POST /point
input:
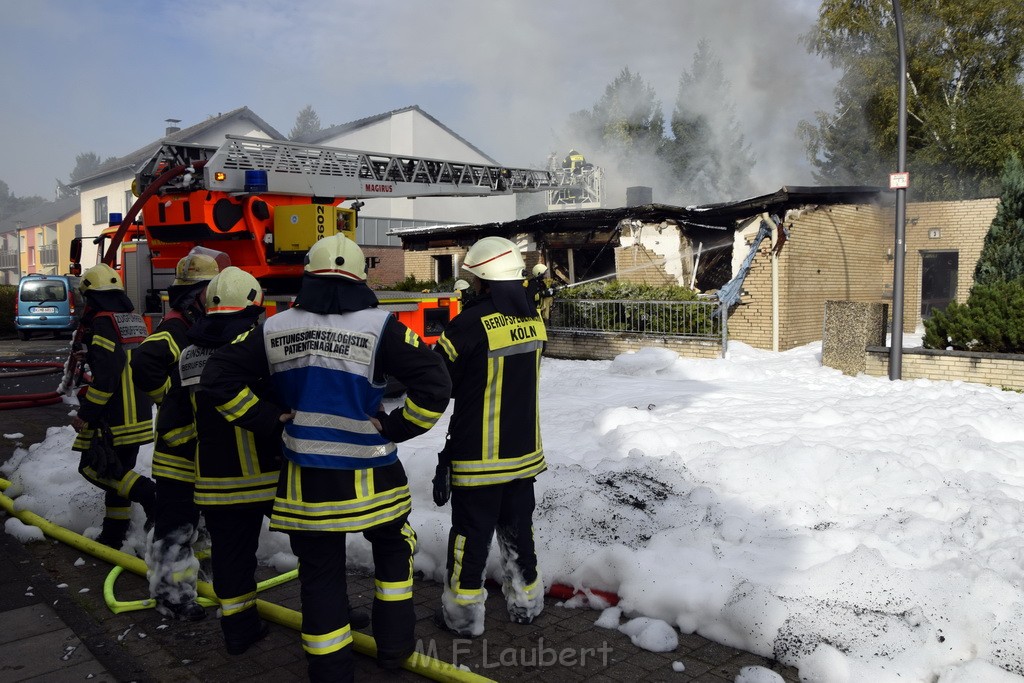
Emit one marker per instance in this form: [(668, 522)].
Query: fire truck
[(264, 203)]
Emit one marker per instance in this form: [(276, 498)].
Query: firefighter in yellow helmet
[(238, 448), (173, 568), (113, 419), (492, 351), (342, 474), (542, 290)]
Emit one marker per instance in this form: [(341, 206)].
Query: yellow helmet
[(100, 278), (337, 256), (232, 290), (195, 268), (540, 269), (495, 258)]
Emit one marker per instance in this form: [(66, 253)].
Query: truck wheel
[(24, 335)]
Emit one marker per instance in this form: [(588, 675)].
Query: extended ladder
[(311, 170)]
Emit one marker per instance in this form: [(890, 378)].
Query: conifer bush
[(993, 317)]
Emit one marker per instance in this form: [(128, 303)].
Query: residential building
[(38, 240)]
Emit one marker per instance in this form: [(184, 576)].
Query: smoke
[(504, 76)]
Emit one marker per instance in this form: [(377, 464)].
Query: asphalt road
[(32, 422)]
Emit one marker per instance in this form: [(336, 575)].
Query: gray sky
[(102, 76)]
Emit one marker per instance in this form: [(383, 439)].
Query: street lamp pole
[(900, 251)]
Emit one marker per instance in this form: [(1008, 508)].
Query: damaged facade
[(831, 243)]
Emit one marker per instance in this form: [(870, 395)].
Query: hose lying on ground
[(425, 666), (12, 401)]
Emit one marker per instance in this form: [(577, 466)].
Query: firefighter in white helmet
[(173, 568), (328, 358), (113, 419), (542, 290), (238, 449), (492, 350)]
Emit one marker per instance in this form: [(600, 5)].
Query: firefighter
[(492, 351), (465, 292), (237, 455), (342, 473), (574, 162), (173, 568), (542, 290), (112, 331)]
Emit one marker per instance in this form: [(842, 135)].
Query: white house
[(109, 189)]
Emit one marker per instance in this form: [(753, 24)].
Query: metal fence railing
[(48, 254), (681, 319)]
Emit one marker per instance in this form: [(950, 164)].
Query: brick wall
[(606, 347), (1002, 370), (387, 265), (640, 265)]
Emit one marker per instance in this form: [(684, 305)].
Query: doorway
[(939, 271)]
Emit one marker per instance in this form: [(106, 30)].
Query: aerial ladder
[(265, 202)]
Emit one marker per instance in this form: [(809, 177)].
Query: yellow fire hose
[(428, 667)]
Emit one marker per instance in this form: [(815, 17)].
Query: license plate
[(44, 309)]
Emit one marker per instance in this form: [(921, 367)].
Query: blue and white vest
[(322, 367)]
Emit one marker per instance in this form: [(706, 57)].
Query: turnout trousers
[(132, 487), (172, 564), (477, 513), (326, 635), (234, 538)]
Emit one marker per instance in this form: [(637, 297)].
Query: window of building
[(444, 267), (99, 210), (129, 199), (31, 256), (939, 270)]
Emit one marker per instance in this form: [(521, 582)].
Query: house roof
[(324, 134), (718, 216), (43, 214), (133, 160)]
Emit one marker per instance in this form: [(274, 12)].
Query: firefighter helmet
[(336, 256), (495, 258), (100, 278), (461, 285), (232, 290), (539, 269), (195, 268)]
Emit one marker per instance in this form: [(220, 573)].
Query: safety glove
[(442, 479)]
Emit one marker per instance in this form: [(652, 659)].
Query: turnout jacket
[(111, 397), (494, 362), (238, 453), (341, 474), (155, 368)]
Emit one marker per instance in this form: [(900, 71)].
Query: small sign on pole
[(899, 181)]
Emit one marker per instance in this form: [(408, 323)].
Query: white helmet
[(195, 268), (100, 278), (337, 256), (232, 290), (495, 258), (461, 285), (540, 269)]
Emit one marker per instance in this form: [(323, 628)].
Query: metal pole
[(899, 262)]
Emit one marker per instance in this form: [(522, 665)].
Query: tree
[(707, 152), (965, 98), (626, 124), (85, 164), (1002, 255), (11, 205), (306, 122)]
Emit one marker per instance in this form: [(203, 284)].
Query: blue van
[(48, 303)]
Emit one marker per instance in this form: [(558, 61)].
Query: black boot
[(182, 611), (114, 532)]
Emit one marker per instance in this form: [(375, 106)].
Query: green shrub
[(991, 320), (8, 294), (411, 284)]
